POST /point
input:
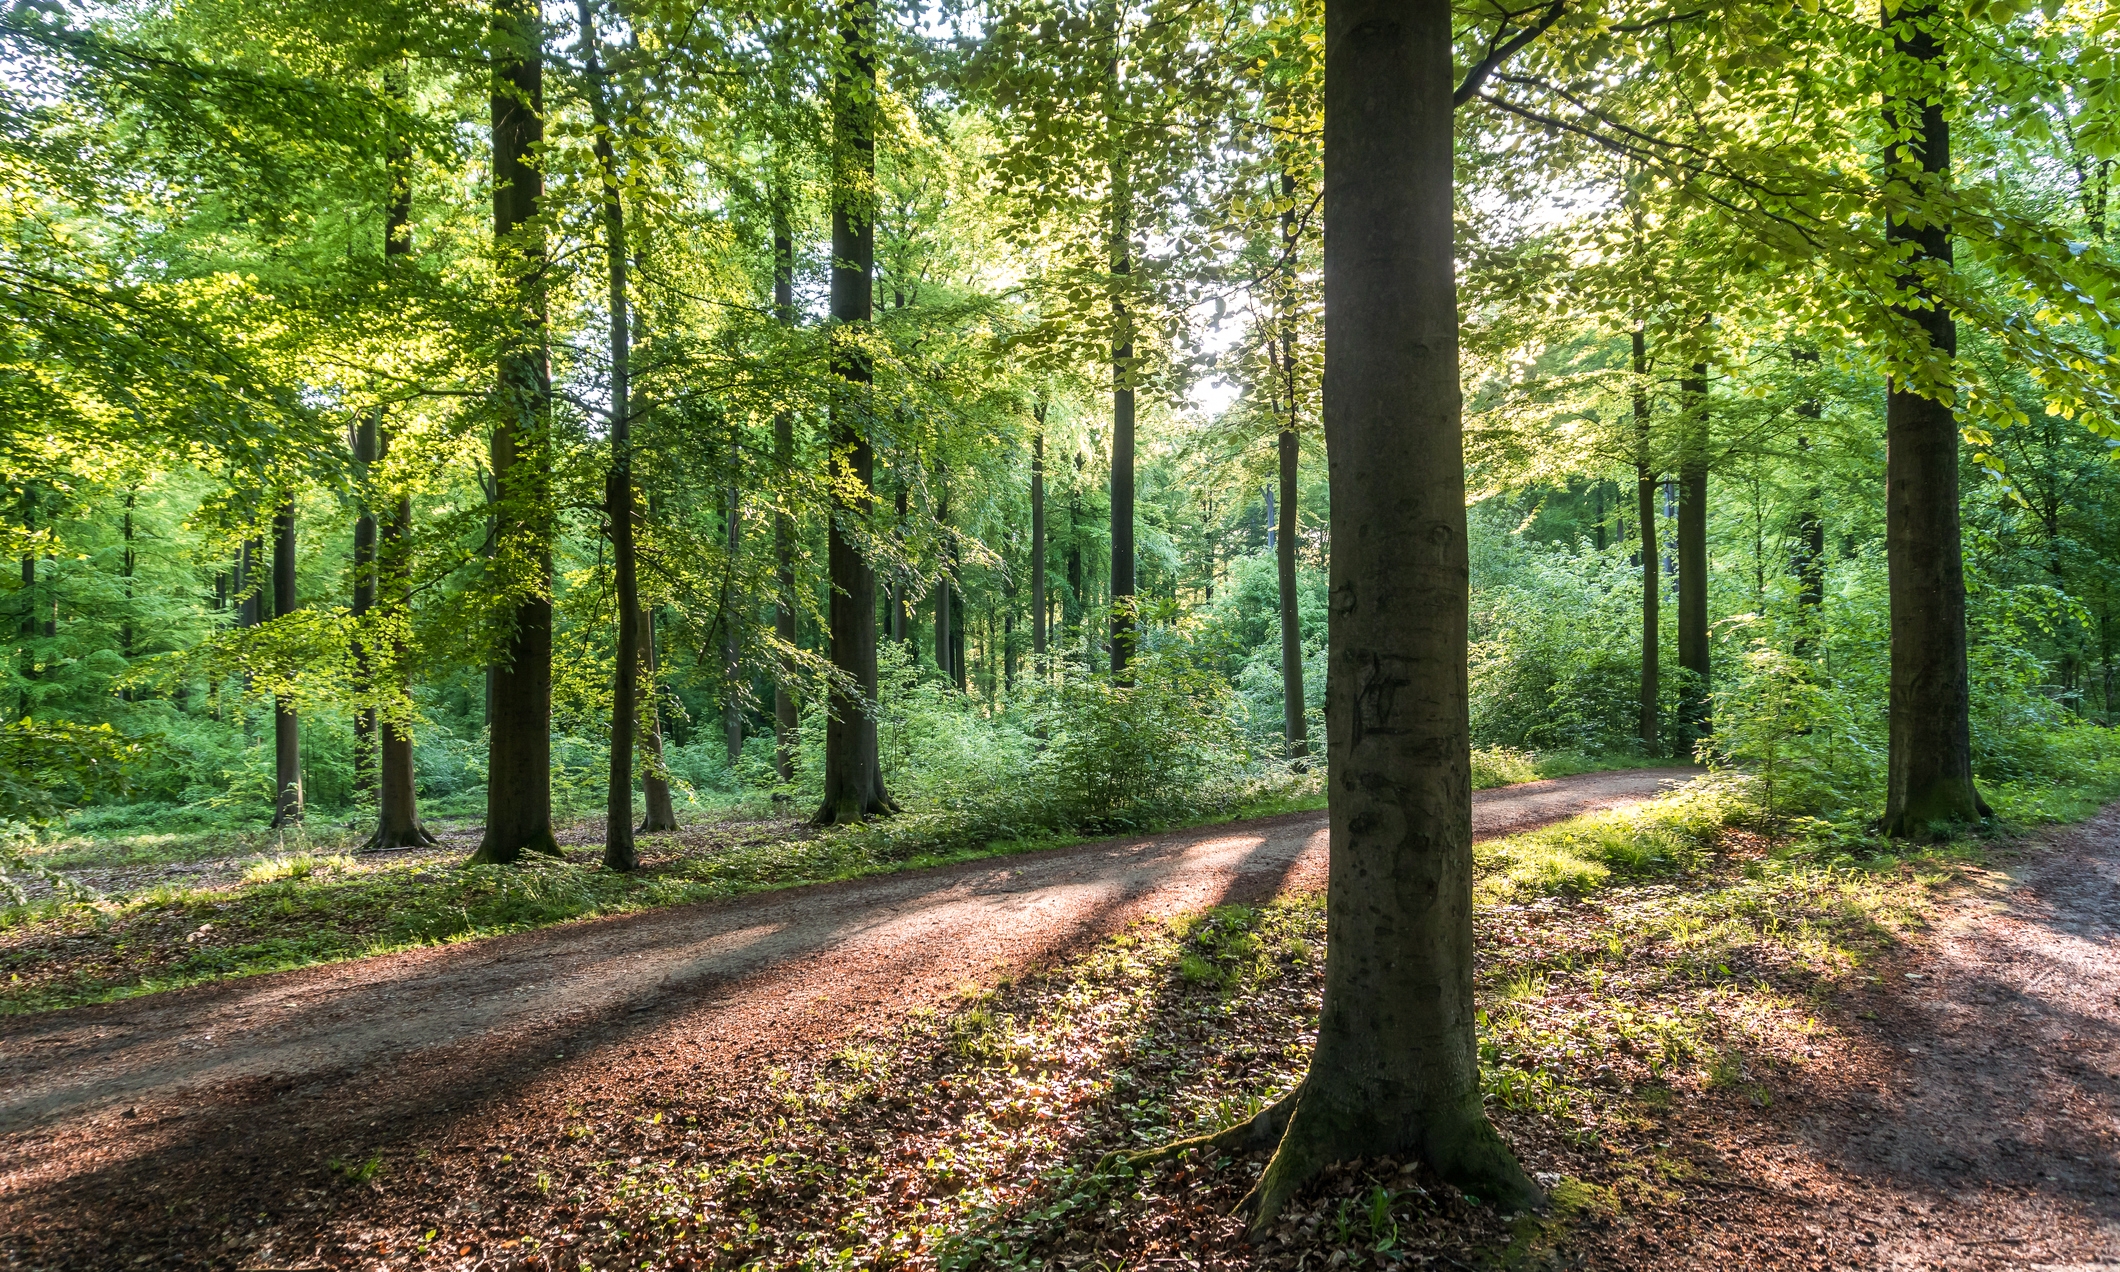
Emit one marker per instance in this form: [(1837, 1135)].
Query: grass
[(303, 900)]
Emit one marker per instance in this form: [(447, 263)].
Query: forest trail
[(221, 1092)]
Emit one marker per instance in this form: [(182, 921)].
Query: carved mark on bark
[(1376, 694)]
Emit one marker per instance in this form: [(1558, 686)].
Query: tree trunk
[(660, 813), (286, 727), (519, 717), (1122, 494), (944, 629), (29, 603), (1650, 729), (1693, 557), (1930, 784), (619, 495), (787, 717), (365, 445), (732, 689), (1396, 1068), (1294, 726), (1809, 564), (853, 768), (397, 798), (1038, 542)]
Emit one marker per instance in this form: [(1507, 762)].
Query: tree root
[(386, 841), (1261, 1131)]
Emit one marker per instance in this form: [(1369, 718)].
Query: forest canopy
[(442, 411)]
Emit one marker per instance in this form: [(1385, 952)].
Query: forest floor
[(1709, 1052)]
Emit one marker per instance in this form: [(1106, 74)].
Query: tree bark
[(29, 604), (1038, 541), (1294, 725), (853, 767), (1930, 782), (1122, 492), (365, 448), (732, 689), (397, 797), (1693, 650), (944, 628), (1396, 1068), (787, 716), (519, 718), (286, 726), (620, 498), (1650, 729)]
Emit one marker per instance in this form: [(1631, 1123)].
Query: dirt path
[(1969, 1116), (182, 1109)]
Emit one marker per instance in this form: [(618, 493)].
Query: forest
[(478, 467)]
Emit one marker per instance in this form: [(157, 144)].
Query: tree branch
[(1498, 54)]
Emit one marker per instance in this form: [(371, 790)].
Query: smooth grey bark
[(1122, 481), (286, 725), (1295, 728), (365, 451), (1929, 785), (519, 714), (1649, 726), (1038, 541), (786, 712), (1396, 1068), (397, 797), (1692, 531), (620, 498), (853, 766)]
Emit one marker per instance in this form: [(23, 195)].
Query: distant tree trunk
[(1395, 1072), (286, 727), (620, 498), (29, 604), (1038, 541), (127, 563), (1809, 563), (1693, 649), (397, 796), (250, 611), (365, 450), (944, 629), (1645, 511), (1294, 726), (787, 716), (954, 586), (1930, 783), (853, 767), (732, 692), (1122, 492), (519, 730)]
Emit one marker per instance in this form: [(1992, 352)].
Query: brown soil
[(153, 1131)]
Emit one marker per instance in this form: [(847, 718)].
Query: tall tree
[(365, 452), (1930, 767), (397, 798), (787, 716), (1692, 532), (1396, 1068), (286, 725), (620, 497), (1122, 492), (1037, 563), (1294, 725), (853, 766), (519, 748), (1650, 730)]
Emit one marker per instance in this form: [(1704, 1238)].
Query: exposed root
[(1261, 1131), (395, 840)]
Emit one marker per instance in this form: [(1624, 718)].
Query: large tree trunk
[(1930, 784), (619, 495), (1649, 728), (1038, 542), (1122, 493), (1396, 1069), (787, 716), (286, 727), (853, 768), (519, 717), (1693, 556)]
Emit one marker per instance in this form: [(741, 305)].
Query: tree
[(853, 766), (1295, 728), (286, 725), (1692, 533), (1396, 1067), (620, 497), (1930, 779), (1645, 477), (519, 750)]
